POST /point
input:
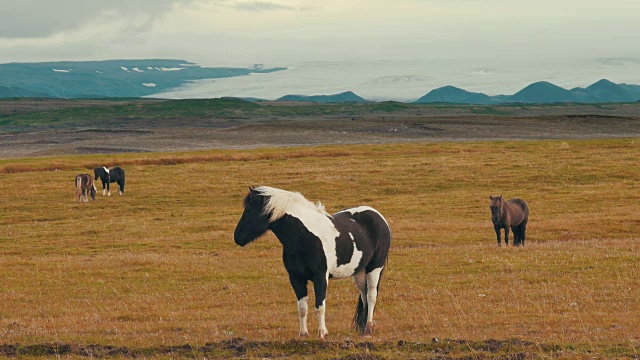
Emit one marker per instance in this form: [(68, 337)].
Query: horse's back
[(519, 209), (376, 228), (88, 181)]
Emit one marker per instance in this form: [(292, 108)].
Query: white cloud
[(236, 32), (43, 18)]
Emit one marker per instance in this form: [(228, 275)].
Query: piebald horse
[(512, 214), (107, 176), (85, 187), (318, 246)]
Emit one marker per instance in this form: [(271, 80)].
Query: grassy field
[(144, 273)]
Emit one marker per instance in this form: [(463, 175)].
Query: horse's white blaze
[(322, 327), (302, 314), (372, 291)]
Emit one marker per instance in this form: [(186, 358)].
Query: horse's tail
[(360, 319), (122, 185)]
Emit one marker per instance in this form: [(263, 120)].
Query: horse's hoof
[(368, 330), (304, 335), (322, 333)]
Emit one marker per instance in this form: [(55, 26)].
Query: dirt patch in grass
[(345, 350)]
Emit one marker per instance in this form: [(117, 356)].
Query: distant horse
[(513, 214), (318, 246), (85, 187), (107, 176)]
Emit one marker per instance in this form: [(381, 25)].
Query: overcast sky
[(280, 32)]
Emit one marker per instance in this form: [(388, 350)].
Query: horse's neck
[(290, 232), (284, 230)]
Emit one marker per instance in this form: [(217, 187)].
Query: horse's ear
[(500, 197), (490, 197)]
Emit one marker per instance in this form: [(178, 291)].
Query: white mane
[(281, 202), (105, 169)]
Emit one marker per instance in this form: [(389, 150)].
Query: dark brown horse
[(85, 187), (512, 214)]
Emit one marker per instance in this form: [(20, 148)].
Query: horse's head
[(97, 172), (93, 191), (253, 222), (496, 208)]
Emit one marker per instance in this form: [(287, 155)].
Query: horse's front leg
[(320, 289), (497, 229), (108, 188), (300, 288), (104, 189)]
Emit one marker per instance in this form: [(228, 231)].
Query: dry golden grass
[(158, 265)]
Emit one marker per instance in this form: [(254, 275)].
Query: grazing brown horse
[(512, 214), (85, 187)]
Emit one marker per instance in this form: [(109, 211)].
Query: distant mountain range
[(542, 92), (110, 78)]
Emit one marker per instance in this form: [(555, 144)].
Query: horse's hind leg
[(360, 318), (373, 279), (120, 187), (516, 235), (523, 230), (506, 235)]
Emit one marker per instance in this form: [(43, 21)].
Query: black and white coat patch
[(317, 246)]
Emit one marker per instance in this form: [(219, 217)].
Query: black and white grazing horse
[(318, 246), (107, 176)]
